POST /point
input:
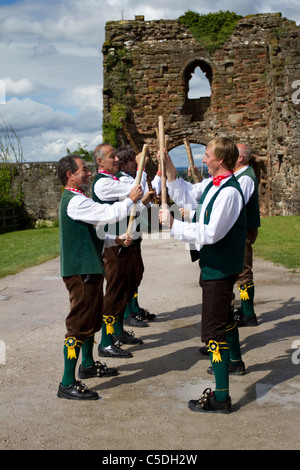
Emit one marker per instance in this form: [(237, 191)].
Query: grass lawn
[(278, 241), (25, 248)]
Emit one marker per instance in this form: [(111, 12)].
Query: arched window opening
[(197, 81), (199, 85)]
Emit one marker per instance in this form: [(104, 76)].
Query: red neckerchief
[(217, 179), (108, 173), (73, 189)]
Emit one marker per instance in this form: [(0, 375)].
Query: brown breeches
[(86, 299), (216, 311), (138, 262), (120, 277), (247, 274)]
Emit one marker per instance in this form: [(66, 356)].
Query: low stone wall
[(41, 188)]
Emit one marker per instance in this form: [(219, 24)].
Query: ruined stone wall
[(41, 188), (251, 78)]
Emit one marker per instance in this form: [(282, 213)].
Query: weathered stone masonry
[(251, 78)]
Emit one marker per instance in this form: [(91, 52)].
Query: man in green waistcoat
[(82, 272), (244, 173), (218, 230)]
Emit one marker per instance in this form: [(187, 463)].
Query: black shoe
[(112, 351), (77, 391), (243, 320), (127, 337), (146, 315), (233, 369), (97, 370), (209, 404), (135, 320), (203, 350)]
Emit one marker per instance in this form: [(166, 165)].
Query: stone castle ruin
[(255, 94), (254, 78)]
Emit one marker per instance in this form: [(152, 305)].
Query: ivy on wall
[(211, 30), (120, 91)]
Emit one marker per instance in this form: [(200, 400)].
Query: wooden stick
[(191, 161), (161, 136), (138, 181), (133, 145), (129, 137)]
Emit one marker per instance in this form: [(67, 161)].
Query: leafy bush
[(211, 30)]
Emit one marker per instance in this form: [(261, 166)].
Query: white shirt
[(86, 210), (226, 209), (110, 189), (246, 183)]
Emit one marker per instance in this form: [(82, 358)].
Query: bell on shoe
[(146, 315), (244, 320), (77, 391), (97, 370), (113, 350), (208, 403), (127, 337), (135, 320)]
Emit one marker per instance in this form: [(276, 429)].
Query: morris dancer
[(82, 272), (244, 173), (127, 173), (108, 189), (219, 228)]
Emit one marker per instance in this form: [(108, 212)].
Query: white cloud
[(51, 58), (19, 87)]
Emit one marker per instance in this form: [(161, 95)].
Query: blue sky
[(51, 63)]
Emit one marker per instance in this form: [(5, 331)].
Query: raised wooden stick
[(191, 161), (129, 137), (161, 135), (138, 181), (133, 145)]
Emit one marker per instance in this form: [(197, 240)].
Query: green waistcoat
[(252, 207), (114, 229), (225, 257), (80, 248)]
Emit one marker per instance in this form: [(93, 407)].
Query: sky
[(51, 64)]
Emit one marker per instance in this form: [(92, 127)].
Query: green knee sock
[(247, 299), (220, 369), (106, 338), (117, 329), (135, 304), (128, 310), (233, 340), (69, 366), (87, 352)]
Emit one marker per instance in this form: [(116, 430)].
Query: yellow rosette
[(71, 343), (214, 348), (244, 291), (109, 320)]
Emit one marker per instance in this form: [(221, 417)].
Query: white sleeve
[(247, 186), (186, 194), (226, 210), (109, 189), (86, 210)]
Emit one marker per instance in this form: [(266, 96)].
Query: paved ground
[(145, 406)]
